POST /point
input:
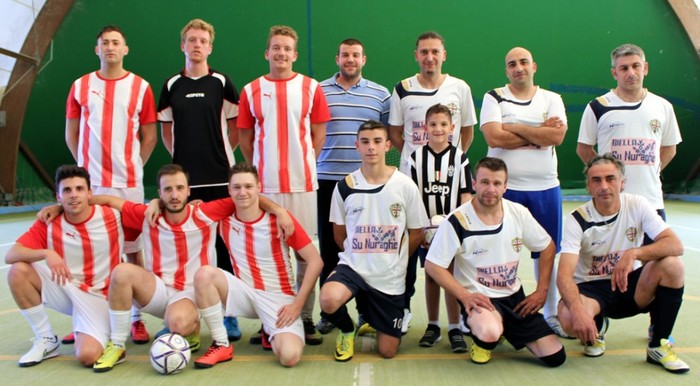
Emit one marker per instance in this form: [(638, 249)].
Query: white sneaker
[(42, 348), (597, 348), (407, 316), (553, 322), (666, 357), (463, 327)]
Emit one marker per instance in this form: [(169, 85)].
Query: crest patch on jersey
[(631, 233), (517, 244), (395, 209)]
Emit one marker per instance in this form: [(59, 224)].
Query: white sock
[(550, 305), (434, 322), (452, 326), (215, 320), (38, 320), (119, 323), (135, 314)]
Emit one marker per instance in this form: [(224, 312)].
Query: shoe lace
[(344, 343), (457, 338), (212, 350), (139, 327)]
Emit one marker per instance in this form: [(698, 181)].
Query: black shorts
[(614, 304), (382, 311), (516, 329)]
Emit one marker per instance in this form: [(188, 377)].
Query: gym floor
[(623, 363)]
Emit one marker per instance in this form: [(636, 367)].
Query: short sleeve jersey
[(111, 113), (634, 134), (377, 219), (487, 256), (530, 167), (600, 241)]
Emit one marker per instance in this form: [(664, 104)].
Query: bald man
[(522, 124)]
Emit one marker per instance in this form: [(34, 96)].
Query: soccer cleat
[(215, 354), (671, 341), (139, 334), (666, 357), (365, 329), (345, 346), (406, 323), (265, 341), (479, 355), (553, 322), (457, 343), (42, 348), (430, 337), (257, 337), (597, 348), (70, 338), (163, 331), (111, 356), (232, 330), (194, 340), (324, 326), (312, 337)]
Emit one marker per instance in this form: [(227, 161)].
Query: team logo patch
[(631, 233), (517, 244), (451, 171), (395, 210), (454, 108), (655, 125)]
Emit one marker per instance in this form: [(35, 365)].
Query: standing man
[(351, 100), (599, 272), (410, 101), (197, 111), (282, 126), (522, 124), (484, 237), (65, 265), (377, 218), (111, 132)]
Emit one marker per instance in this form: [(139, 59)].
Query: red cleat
[(215, 354), (139, 334), (68, 339)]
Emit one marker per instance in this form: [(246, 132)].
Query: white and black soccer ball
[(170, 354), (431, 229)]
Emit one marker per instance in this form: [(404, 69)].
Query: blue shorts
[(545, 206)]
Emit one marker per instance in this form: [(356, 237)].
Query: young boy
[(377, 223), (444, 179)]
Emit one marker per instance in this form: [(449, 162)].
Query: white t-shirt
[(530, 167), (634, 134), (377, 219), (600, 241), (487, 256)]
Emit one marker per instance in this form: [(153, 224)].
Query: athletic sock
[(135, 314), (340, 319), (434, 323), (550, 305), (119, 323), (598, 319), (215, 320), (38, 320), (452, 326), (664, 311)]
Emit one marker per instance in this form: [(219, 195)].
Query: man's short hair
[(372, 125), (69, 171), (243, 167), (171, 170), (282, 30), (606, 158), (352, 42), (491, 163), (110, 28), (198, 24), (626, 50), (430, 35), (438, 109)]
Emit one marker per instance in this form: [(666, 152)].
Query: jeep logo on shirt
[(432, 188)]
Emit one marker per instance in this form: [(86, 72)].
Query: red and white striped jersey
[(111, 112), (174, 252), (259, 256), (281, 111), (91, 249)]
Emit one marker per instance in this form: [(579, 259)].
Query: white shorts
[(89, 311), (248, 302), (130, 194), (164, 296), (303, 206)]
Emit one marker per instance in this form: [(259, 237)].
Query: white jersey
[(530, 167), (91, 249), (600, 241), (174, 252), (377, 219), (634, 134), (410, 101), (259, 257), (487, 256)]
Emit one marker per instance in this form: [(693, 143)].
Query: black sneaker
[(430, 337), (257, 337), (325, 326), (312, 337), (457, 342)]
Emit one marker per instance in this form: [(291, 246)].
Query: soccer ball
[(431, 229), (170, 353)]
